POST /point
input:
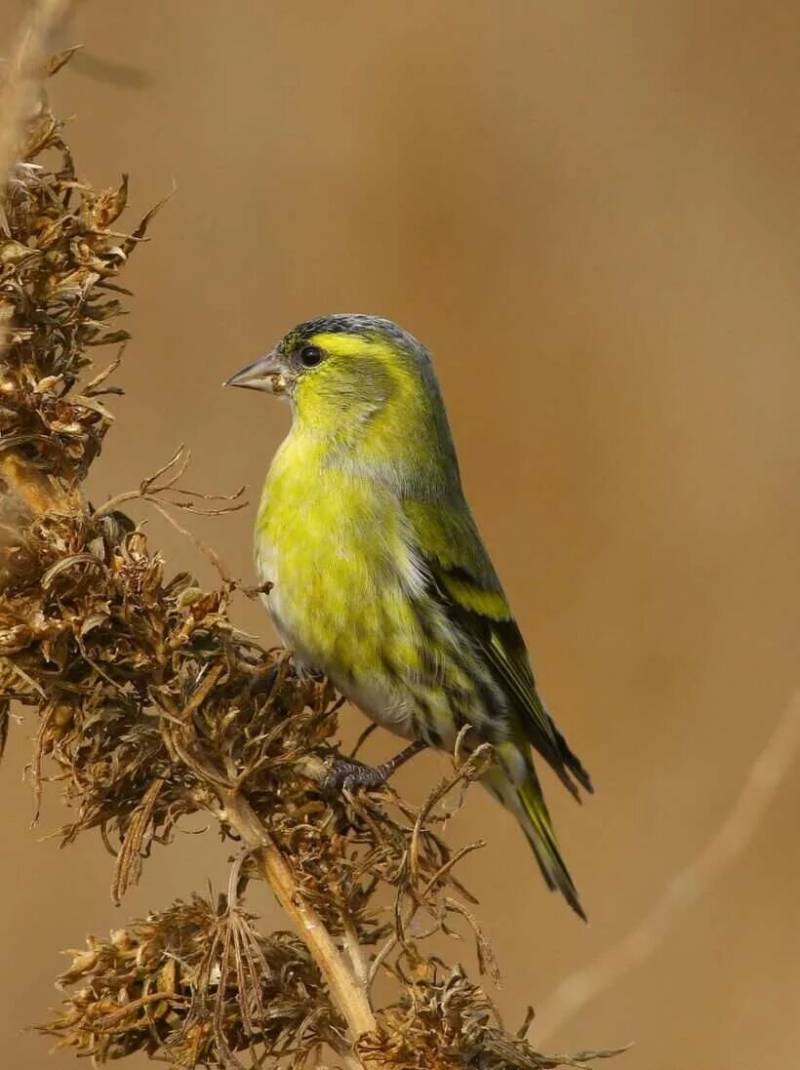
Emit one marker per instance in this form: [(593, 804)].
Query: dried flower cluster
[(152, 706), (169, 985)]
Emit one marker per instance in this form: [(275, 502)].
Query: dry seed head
[(194, 985)]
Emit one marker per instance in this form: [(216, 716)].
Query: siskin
[(379, 576)]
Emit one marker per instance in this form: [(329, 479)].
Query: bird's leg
[(387, 769), (349, 773), (362, 739)]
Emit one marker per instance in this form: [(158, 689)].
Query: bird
[(375, 574)]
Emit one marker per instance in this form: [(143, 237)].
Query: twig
[(354, 952), (348, 993), (731, 839), (23, 74), (466, 771)]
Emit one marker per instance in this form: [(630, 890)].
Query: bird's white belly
[(385, 706)]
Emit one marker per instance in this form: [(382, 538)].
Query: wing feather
[(463, 581)]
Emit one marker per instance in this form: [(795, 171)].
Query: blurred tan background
[(590, 213)]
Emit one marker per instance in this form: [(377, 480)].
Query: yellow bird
[(379, 575)]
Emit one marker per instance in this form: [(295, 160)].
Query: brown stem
[(347, 991), (24, 72)]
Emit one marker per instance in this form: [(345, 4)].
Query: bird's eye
[(310, 356)]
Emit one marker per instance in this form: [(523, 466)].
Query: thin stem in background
[(687, 886)]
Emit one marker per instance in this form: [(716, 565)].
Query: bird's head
[(342, 369)]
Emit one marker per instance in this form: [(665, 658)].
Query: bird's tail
[(526, 802)]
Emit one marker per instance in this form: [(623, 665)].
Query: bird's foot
[(347, 774)]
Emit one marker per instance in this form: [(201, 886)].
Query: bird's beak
[(267, 373)]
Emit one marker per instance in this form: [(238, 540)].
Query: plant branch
[(347, 991)]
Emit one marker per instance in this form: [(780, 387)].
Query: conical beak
[(265, 373)]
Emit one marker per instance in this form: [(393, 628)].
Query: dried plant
[(152, 706)]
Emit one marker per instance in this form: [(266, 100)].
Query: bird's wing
[(464, 583)]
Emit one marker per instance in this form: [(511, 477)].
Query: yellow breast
[(332, 545)]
